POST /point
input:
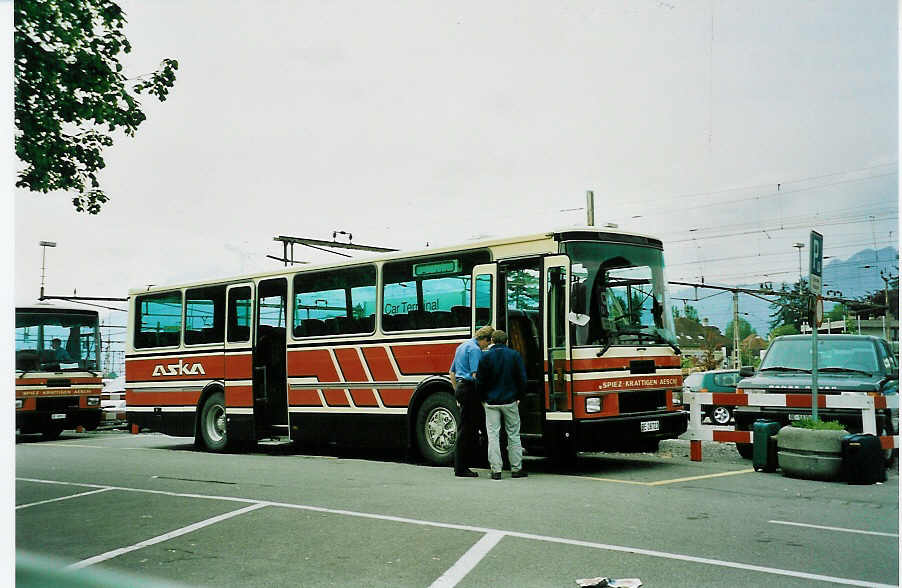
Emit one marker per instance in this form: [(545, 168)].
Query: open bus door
[(556, 300), (239, 360), (483, 295), (270, 382), (520, 316)]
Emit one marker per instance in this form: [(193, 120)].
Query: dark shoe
[(519, 474), (466, 474), (496, 475)]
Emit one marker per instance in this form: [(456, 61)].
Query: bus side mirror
[(746, 371), (580, 320)]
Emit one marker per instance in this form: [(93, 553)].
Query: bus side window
[(158, 320), (239, 329), (336, 302), (205, 315)]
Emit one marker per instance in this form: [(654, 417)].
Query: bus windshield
[(618, 295), (56, 340)]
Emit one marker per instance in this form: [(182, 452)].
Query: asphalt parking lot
[(151, 507)]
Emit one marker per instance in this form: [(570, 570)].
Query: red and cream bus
[(58, 377), (358, 353)]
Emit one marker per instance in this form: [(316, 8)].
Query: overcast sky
[(407, 123)]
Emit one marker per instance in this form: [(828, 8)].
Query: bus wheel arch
[(210, 431)]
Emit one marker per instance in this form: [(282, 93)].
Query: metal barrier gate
[(696, 432)]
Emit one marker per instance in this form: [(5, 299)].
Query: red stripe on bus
[(335, 397), (395, 396), (610, 363), (380, 366), (239, 367), (43, 381), (186, 367), (424, 359), (312, 362), (879, 402), (648, 382), (236, 396), (303, 398), (173, 398), (364, 398), (350, 364)]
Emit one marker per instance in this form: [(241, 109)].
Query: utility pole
[(590, 208), (886, 302), (737, 358), (44, 245)]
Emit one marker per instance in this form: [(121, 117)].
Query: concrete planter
[(809, 453)]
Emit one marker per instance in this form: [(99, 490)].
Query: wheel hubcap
[(441, 430), (721, 415), (216, 426)]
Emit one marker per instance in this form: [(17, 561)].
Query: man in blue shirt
[(501, 381), (463, 378)]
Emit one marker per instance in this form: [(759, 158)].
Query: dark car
[(847, 364), (716, 382)]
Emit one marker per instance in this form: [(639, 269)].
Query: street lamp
[(799, 246), (44, 245)]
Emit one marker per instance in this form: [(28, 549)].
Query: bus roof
[(44, 306), (576, 233)]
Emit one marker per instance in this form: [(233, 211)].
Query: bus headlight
[(593, 404), (677, 397), (93, 400), (19, 403)]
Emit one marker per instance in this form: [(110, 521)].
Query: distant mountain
[(848, 276)]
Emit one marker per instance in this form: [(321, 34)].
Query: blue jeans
[(510, 413)]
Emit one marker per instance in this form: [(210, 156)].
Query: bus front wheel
[(213, 423), (51, 432), (437, 428)]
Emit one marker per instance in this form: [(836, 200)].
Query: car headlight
[(93, 400), (593, 404), (19, 403)]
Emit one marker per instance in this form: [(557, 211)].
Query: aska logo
[(179, 369)]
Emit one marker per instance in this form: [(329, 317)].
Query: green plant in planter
[(817, 424)]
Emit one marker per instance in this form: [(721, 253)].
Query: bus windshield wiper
[(655, 337), (844, 369), (783, 368)]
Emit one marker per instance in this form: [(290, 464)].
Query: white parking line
[(160, 538), (62, 498), (483, 530), (468, 561), (844, 530)]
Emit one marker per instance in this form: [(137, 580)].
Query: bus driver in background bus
[(58, 353), (463, 378)]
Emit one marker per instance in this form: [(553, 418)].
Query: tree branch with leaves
[(71, 94)]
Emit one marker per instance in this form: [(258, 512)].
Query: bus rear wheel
[(437, 428), (213, 423)]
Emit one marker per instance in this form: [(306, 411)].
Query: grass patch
[(817, 424)]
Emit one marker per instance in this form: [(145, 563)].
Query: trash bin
[(764, 445), (862, 459)]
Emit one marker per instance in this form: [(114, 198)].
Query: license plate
[(58, 416), (648, 426), (798, 417)]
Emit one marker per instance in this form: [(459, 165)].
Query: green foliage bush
[(817, 424)]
